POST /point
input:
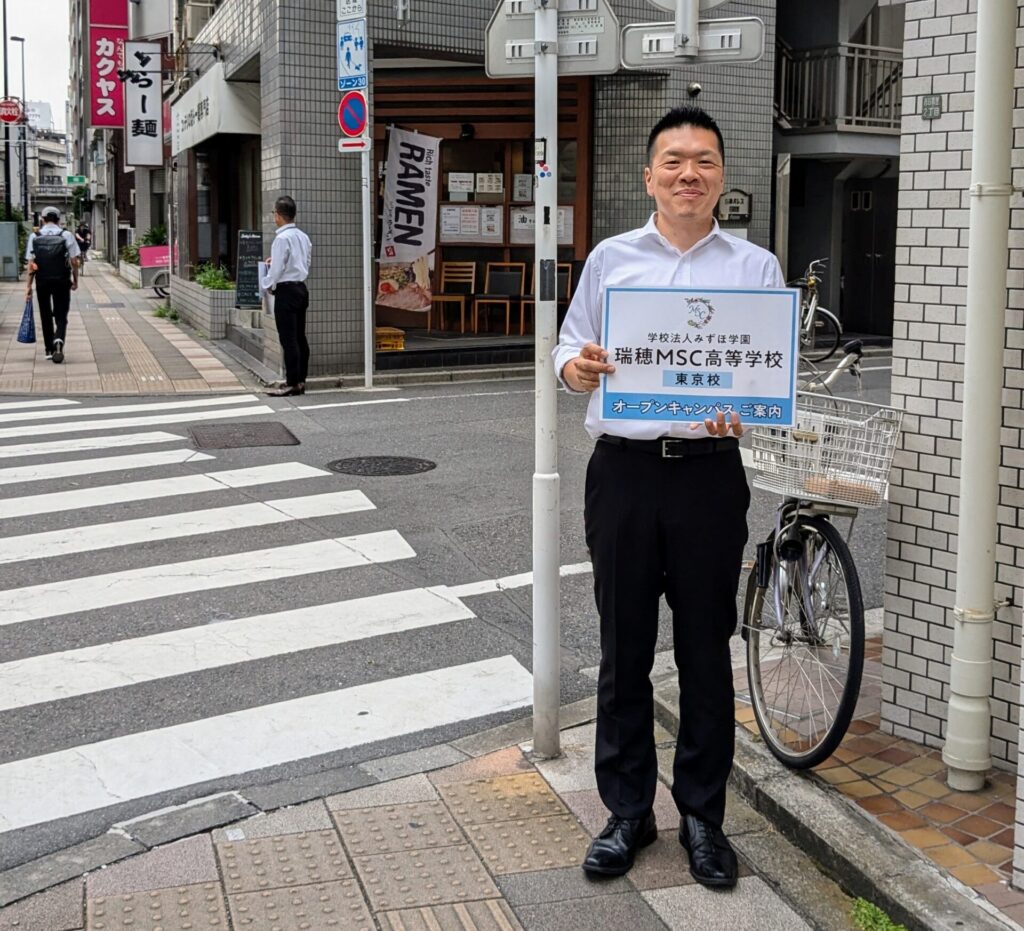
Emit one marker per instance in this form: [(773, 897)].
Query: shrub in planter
[(213, 277), (130, 254), (154, 236)]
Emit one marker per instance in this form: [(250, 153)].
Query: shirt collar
[(650, 229), (283, 227)]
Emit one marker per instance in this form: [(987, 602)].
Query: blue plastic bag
[(27, 330)]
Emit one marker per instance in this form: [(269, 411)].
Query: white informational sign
[(461, 182), (469, 221), (472, 223), (490, 182), (351, 9), (522, 189), (213, 105), (684, 354), (523, 221), (490, 222), (143, 105), (352, 67)]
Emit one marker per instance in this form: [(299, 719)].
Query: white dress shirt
[(644, 258), (289, 257), (52, 229)]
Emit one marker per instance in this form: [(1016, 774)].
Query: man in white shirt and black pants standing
[(665, 513), (285, 278), (52, 256)]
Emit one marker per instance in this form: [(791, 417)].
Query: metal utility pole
[(546, 517), (24, 131), (7, 130), (968, 739)]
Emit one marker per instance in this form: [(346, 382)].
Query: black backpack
[(52, 259)]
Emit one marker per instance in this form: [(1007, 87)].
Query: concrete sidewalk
[(468, 835), (115, 346)]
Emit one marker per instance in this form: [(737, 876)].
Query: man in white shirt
[(285, 277), (52, 256), (665, 513)]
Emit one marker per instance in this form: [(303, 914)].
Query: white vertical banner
[(143, 102), (409, 221)]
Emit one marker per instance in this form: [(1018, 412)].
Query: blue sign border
[(656, 401)]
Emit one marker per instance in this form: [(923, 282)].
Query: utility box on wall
[(9, 266)]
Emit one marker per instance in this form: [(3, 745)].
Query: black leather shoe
[(287, 392), (712, 859), (613, 851)]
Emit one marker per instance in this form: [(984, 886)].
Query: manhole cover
[(101, 306), (236, 435), (381, 465)]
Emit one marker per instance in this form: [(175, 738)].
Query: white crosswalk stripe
[(142, 659), (85, 426), (206, 732), (84, 444), (28, 405), (156, 488), (45, 471), (191, 404), (53, 543)]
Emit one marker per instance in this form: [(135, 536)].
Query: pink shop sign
[(153, 256)]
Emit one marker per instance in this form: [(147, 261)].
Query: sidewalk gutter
[(860, 855)]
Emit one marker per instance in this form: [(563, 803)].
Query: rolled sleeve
[(278, 261), (69, 240)]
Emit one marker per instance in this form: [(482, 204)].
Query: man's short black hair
[(685, 116), (285, 206)]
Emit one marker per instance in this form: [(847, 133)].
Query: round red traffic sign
[(352, 113), (11, 110)]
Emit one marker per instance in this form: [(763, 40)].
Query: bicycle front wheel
[(805, 646), (823, 340)]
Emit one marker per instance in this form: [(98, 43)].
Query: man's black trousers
[(54, 303), (675, 527), (291, 301)]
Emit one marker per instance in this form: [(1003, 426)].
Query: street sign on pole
[(76, 179), (587, 39), (352, 69), (352, 114), (722, 41), (11, 110)]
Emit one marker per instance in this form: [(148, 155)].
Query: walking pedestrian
[(83, 236), (286, 272), (665, 513), (52, 255)]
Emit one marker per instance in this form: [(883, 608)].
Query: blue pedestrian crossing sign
[(352, 55)]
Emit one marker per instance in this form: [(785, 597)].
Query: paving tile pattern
[(491, 915), (390, 828), (902, 785), (282, 861), (319, 907), (185, 908), (114, 346), (530, 844)]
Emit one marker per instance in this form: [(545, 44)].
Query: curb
[(860, 855), (197, 816)]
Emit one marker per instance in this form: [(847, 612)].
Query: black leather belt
[(670, 447)]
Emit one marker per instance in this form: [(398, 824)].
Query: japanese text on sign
[(683, 354), (144, 132)]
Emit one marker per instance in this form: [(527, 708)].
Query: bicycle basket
[(839, 451)]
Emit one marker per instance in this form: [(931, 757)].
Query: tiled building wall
[(927, 382), (296, 71)]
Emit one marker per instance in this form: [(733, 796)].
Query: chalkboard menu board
[(247, 281)]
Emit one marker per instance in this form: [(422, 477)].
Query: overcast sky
[(44, 26)]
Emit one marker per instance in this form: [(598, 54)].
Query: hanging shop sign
[(409, 220), (143, 106), (108, 32)]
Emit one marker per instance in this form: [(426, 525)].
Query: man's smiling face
[(686, 175)]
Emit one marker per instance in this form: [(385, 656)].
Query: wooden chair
[(563, 283), (503, 285), (458, 282)]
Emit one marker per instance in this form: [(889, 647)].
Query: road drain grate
[(381, 465), (239, 435)]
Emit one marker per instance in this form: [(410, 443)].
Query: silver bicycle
[(803, 616), (820, 330)]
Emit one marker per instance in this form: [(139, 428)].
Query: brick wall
[(927, 382)]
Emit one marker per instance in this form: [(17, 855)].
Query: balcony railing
[(839, 87)]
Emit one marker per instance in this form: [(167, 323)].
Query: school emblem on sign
[(700, 311)]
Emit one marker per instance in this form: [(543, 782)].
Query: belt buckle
[(669, 445)]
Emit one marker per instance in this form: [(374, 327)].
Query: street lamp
[(7, 129), (24, 129)]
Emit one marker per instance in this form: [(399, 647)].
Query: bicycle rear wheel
[(823, 339), (805, 646)]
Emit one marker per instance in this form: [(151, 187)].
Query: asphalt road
[(166, 634)]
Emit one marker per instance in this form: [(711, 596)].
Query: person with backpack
[(52, 255)]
